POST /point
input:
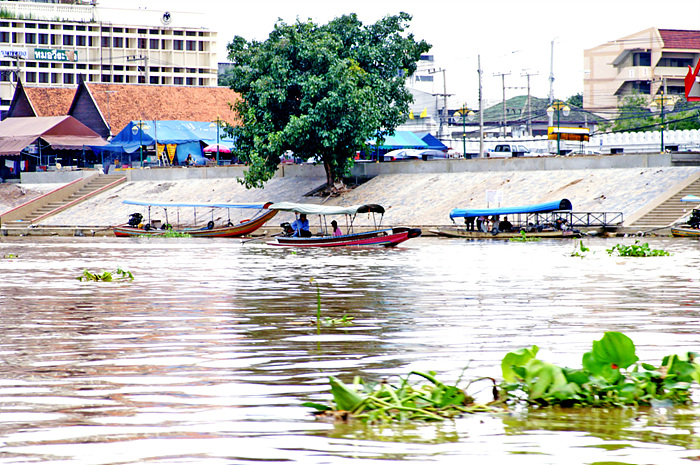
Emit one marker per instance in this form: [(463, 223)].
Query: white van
[(508, 150)]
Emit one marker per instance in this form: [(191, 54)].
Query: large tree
[(321, 91)]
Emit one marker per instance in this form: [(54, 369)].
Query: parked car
[(401, 154), (432, 154), (507, 151), (539, 153)]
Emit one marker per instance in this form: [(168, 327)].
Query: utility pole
[(145, 65), (443, 118), (551, 74), (505, 119), (529, 106), (481, 113)]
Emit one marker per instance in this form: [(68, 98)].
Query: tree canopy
[(321, 91)]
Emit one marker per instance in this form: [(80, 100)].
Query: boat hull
[(379, 238), (462, 233), (685, 232), (237, 230)]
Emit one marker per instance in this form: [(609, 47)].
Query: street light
[(218, 125), (464, 112), (559, 107), (665, 103), (139, 127)]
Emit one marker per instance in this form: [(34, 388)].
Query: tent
[(59, 132), (432, 141), (400, 140), (188, 137)]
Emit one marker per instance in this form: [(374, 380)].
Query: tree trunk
[(329, 175)]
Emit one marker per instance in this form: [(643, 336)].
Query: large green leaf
[(543, 378), (345, 398), (612, 352), (516, 359)]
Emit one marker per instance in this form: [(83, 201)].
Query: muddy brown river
[(207, 356)]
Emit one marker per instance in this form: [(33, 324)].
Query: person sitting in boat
[(495, 224), (301, 226), (336, 230), (469, 222), (505, 225)]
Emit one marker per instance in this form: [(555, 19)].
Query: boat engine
[(287, 229), (135, 220)]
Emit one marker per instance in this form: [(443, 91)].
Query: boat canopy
[(313, 209), (563, 204), (690, 198), (194, 205)]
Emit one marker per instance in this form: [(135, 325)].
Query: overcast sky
[(511, 36)]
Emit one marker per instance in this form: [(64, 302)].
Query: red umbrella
[(213, 148)]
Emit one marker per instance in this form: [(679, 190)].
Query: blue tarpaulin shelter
[(188, 136), (401, 140), (432, 141)]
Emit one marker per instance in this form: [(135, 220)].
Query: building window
[(30, 64), (30, 26), (30, 38), (54, 78), (31, 76), (106, 78), (68, 40), (153, 80), (43, 64), (191, 34), (190, 81), (80, 41), (4, 36), (43, 39), (676, 90), (201, 81), (67, 27), (154, 31), (177, 81), (153, 44), (118, 42), (119, 78), (81, 66), (142, 31), (643, 87), (67, 65), (641, 59), (68, 79), (105, 42), (143, 43), (142, 79), (191, 45), (118, 29), (92, 41), (675, 62), (177, 45), (44, 78), (79, 28), (202, 46), (54, 39)]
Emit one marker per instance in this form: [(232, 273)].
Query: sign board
[(44, 54), (692, 85), (494, 196), (13, 53)]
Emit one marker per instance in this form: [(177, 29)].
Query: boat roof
[(563, 204), (313, 209), (194, 205)]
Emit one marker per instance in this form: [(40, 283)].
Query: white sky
[(511, 36)]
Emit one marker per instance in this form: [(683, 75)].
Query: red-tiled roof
[(122, 103), (50, 101), (674, 38)]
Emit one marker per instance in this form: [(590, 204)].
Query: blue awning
[(401, 140), (563, 204)]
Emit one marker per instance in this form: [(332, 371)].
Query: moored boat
[(378, 236), (688, 228), (537, 220), (138, 227)]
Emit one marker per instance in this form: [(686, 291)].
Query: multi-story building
[(648, 62), (50, 44)]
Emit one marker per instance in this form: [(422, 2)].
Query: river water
[(207, 355)]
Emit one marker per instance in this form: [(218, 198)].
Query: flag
[(410, 115), (424, 113)]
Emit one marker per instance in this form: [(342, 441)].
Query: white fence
[(687, 140)]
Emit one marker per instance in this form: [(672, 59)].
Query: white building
[(50, 44)]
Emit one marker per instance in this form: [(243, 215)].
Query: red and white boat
[(378, 236), (140, 226)]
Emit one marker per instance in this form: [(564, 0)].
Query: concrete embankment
[(418, 194)]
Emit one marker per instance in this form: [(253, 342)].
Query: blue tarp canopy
[(563, 204), (432, 141), (401, 140), (189, 136)]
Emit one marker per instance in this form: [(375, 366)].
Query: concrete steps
[(671, 211), (92, 187)]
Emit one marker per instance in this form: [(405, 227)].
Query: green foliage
[(611, 376), (575, 100), (384, 402), (320, 91), (107, 276), (580, 251), (636, 250), (10, 255), (524, 238)]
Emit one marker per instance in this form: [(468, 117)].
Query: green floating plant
[(524, 238), (636, 250), (386, 402), (10, 255), (611, 376), (107, 276), (580, 250)]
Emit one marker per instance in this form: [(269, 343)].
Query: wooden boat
[(685, 230), (137, 227), (537, 220), (386, 237)]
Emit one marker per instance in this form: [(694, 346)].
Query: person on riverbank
[(301, 226)]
